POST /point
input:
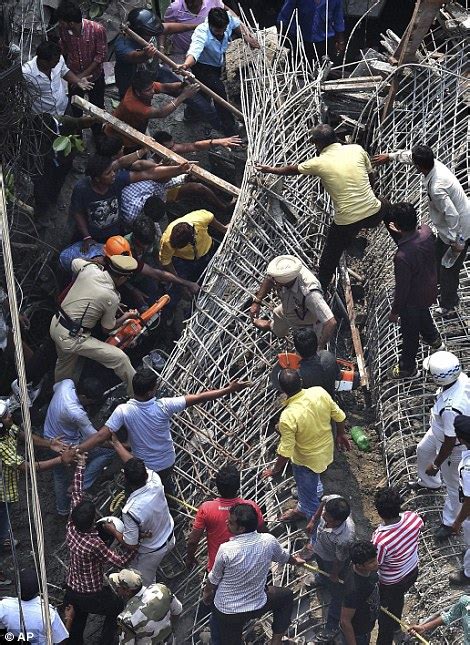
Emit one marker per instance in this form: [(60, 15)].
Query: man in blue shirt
[(321, 35), (206, 56), (130, 57)]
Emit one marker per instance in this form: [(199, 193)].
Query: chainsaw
[(130, 331)]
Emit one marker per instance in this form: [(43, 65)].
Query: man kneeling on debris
[(302, 302), (93, 298)]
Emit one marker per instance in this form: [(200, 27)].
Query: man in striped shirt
[(397, 554)]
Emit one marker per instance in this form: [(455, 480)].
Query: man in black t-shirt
[(361, 595), (317, 368)]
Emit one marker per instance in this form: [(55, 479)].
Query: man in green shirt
[(459, 611)]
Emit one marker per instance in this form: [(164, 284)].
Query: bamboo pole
[(147, 142), (186, 74)]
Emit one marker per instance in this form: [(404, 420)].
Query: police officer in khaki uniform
[(302, 302), (462, 431), (93, 298)]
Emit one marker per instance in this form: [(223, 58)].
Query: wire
[(24, 399)]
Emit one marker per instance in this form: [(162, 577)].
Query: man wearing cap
[(26, 616), (93, 298), (150, 613), (302, 302), (462, 431)]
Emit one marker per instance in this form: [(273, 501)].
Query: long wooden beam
[(186, 74), (147, 142), (424, 14)]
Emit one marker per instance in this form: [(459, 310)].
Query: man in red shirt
[(136, 108), (212, 516), (85, 47)]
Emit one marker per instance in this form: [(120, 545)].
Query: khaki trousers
[(283, 320), (69, 350)]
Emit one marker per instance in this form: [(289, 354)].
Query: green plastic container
[(360, 438)]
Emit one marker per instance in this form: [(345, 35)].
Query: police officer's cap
[(122, 264), (462, 427), (284, 268), (126, 579)]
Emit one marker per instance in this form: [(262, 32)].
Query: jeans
[(415, 321), (307, 489), (98, 458), (210, 76), (449, 278), (336, 591), (280, 601), (392, 597), (338, 239), (193, 269), (5, 510), (199, 103), (104, 603)]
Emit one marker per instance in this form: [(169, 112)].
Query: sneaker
[(398, 372), (443, 532), (326, 635), (458, 578), (446, 313), (418, 486), (33, 392)]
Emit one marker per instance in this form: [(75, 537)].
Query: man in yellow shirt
[(345, 172), (306, 433), (186, 247)]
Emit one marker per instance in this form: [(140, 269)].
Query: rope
[(20, 366)]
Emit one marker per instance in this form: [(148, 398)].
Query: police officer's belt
[(73, 326)]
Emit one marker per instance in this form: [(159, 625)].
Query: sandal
[(292, 515)]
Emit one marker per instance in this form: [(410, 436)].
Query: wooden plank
[(147, 142), (186, 74), (424, 14), (356, 337)]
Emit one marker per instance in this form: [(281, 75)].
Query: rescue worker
[(462, 431), (150, 613), (93, 298), (439, 453), (302, 302)]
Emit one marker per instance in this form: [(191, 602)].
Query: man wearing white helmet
[(439, 451), (302, 301)]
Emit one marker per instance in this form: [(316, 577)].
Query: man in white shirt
[(237, 583), (449, 211), (15, 615), (68, 420), (45, 74), (148, 525), (439, 452), (147, 421), (462, 431)]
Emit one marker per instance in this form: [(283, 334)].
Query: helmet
[(111, 519), (117, 245), (444, 367), (145, 22)]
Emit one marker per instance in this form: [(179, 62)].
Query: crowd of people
[(125, 252)]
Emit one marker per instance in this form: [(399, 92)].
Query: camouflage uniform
[(146, 619)]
